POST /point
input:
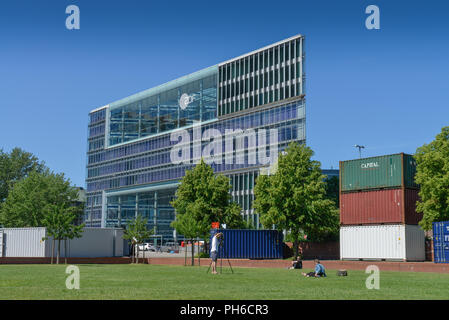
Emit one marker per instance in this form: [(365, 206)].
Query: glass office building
[(237, 115)]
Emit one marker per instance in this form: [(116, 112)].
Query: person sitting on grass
[(319, 271), (296, 264)]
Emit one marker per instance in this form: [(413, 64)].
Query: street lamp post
[(360, 149)]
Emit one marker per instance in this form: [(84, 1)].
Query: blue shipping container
[(250, 244), (441, 242)]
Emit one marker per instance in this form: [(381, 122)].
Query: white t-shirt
[(214, 246)]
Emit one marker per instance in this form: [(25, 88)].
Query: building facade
[(237, 115)]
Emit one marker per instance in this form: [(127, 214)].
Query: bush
[(202, 255)]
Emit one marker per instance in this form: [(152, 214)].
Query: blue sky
[(387, 89)]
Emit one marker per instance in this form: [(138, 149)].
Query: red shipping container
[(386, 206)]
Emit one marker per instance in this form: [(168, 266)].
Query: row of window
[(264, 80), (285, 131), (293, 132), (96, 144), (97, 130), (243, 181), (264, 77), (288, 111), (262, 98), (261, 60), (97, 116), (170, 172)]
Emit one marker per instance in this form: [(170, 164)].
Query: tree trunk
[(65, 250), (185, 252), (296, 244), (52, 250), (137, 253), (193, 253), (59, 251), (199, 254), (132, 253)]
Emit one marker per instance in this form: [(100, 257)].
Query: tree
[(136, 233), (34, 195), (205, 197), (59, 221), (190, 228), (294, 197), (15, 166), (432, 174)]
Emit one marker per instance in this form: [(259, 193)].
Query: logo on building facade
[(185, 100)]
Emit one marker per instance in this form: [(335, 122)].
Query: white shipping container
[(377, 242), (94, 243), (23, 242)]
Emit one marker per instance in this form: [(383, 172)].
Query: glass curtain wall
[(151, 205), (162, 112)]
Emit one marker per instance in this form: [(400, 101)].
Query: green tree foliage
[(59, 220), (15, 166), (294, 198), (33, 196), (432, 174), (205, 197), (136, 233)]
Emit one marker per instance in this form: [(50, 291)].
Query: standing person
[(320, 271), (214, 250)]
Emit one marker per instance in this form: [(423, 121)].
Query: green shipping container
[(391, 171)]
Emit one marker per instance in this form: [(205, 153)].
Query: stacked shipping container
[(378, 198)]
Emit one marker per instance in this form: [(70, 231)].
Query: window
[(266, 59), (297, 48), (292, 50)]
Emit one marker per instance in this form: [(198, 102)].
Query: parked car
[(144, 247), (169, 246)]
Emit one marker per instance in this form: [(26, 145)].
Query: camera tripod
[(221, 246)]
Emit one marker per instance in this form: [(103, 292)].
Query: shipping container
[(23, 242), (94, 243), (250, 244), (392, 206), (441, 242), (391, 171), (382, 242)]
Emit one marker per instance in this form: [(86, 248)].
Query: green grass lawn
[(179, 282)]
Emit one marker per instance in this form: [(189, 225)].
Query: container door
[(1, 243), (445, 242), (400, 243)]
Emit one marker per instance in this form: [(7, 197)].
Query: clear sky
[(387, 89)]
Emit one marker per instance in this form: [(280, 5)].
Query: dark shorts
[(214, 255)]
